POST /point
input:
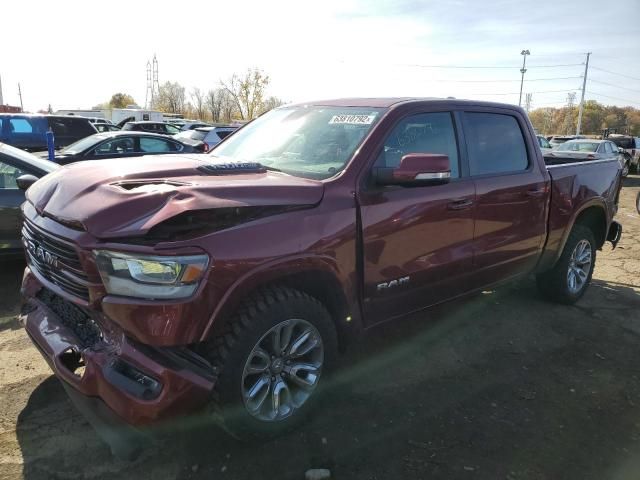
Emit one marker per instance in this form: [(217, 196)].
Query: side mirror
[(417, 169), (25, 181)]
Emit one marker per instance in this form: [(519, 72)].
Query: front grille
[(56, 260), (72, 317)]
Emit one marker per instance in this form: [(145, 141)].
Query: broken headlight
[(152, 277)]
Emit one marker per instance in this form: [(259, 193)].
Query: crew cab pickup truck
[(226, 284)]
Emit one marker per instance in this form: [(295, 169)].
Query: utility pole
[(524, 54), (20, 95), (584, 85), (527, 101), (1, 101), (571, 98)]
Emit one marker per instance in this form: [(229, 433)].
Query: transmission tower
[(149, 94), (571, 100), (155, 86)]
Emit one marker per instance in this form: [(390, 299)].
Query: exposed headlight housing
[(150, 277)]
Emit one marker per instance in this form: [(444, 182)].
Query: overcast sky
[(77, 53)]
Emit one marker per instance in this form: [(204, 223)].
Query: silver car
[(586, 150)]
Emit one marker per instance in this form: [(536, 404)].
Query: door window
[(8, 176), (117, 146), (156, 145), (495, 143), (170, 129), (421, 133)]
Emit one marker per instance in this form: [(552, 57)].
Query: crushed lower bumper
[(120, 386)]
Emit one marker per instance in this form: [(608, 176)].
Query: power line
[(613, 98), (614, 85), (516, 93), (616, 73), (486, 66), (502, 80)]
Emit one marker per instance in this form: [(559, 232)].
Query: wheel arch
[(319, 277)]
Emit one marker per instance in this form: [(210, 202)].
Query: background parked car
[(211, 136), (106, 127), (586, 149), (123, 144), (14, 164), (631, 146), (545, 146), (151, 127), (188, 125), (28, 131)]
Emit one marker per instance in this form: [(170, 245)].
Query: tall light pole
[(524, 54)]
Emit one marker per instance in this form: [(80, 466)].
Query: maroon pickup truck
[(227, 283)]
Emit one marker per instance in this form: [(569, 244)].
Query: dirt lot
[(501, 386)]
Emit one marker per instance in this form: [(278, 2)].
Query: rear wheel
[(270, 362), (567, 281)]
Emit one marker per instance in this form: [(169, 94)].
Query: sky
[(77, 53)]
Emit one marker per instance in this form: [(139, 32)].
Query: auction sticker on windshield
[(353, 119)]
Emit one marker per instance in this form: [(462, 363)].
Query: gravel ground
[(500, 386)]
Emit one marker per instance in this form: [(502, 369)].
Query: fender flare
[(271, 272), (594, 202)]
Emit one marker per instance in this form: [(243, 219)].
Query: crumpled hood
[(127, 197)]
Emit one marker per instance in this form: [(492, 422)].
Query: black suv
[(28, 131)]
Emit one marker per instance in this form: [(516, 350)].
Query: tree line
[(595, 119), (240, 97)]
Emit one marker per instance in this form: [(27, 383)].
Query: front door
[(512, 194), (417, 241)]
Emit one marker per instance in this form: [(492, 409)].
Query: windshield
[(310, 142), (578, 147), (82, 145)]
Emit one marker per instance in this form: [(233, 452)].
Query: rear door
[(417, 241), (512, 194), (26, 132), (116, 147)]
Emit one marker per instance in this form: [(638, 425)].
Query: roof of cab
[(388, 102)]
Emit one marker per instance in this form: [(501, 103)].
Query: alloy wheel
[(282, 370), (579, 266)]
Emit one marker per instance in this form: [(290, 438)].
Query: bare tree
[(270, 103), (171, 98), (228, 106), (213, 102), (247, 92), (198, 103)]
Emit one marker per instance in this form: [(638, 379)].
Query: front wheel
[(625, 169), (567, 281), (278, 348)]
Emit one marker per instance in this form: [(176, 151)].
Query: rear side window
[(422, 133), (495, 143), (156, 145), (21, 125), (224, 133)]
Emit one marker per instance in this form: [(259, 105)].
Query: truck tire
[(567, 281), (270, 360)]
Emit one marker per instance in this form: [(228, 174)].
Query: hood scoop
[(232, 168)]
